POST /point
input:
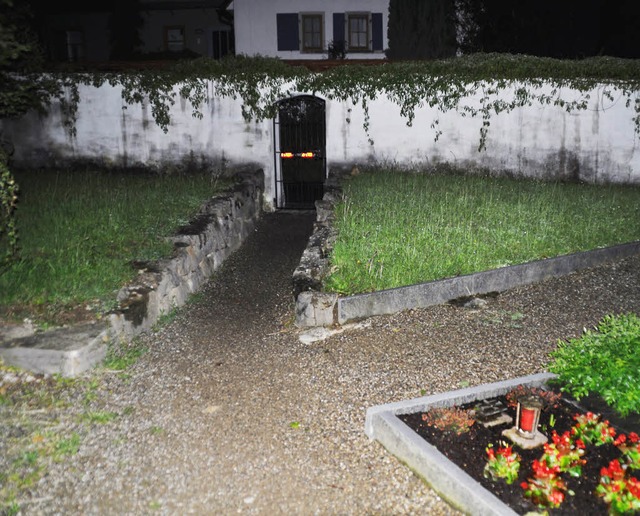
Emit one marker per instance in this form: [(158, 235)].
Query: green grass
[(398, 228), (79, 232), (605, 362), (37, 416), (123, 355)]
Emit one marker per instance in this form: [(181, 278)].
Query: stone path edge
[(315, 308), (216, 231), (448, 480)]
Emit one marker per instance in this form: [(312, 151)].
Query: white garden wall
[(596, 145)]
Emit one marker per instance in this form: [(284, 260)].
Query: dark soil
[(468, 451)]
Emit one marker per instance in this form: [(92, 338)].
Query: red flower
[(633, 484), (556, 497), (620, 440), (614, 471)]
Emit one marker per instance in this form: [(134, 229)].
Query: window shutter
[(338, 27), (288, 36), (377, 31)]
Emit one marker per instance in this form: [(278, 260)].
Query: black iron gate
[(300, 141)]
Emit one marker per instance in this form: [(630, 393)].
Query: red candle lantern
[(528, 415)]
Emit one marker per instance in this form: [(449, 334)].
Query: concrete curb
[(66, 351), (447, 479), (321, 309)]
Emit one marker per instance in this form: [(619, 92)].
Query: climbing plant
[(480, 85), (8, 202), (22, 88)]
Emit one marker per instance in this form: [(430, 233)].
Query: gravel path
[(229, 412)]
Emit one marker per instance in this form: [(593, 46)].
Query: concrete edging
[(65, 351), (447, 479), (324, 309)]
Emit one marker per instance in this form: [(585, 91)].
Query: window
[(174, 39), (312, 32), (358, 32), (221, 43), (75, 45)]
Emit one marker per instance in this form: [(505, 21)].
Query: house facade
[(308, 29), (165, 28)]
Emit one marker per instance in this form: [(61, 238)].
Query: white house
[(305, 29)]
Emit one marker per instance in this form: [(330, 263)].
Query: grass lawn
[(398, 228), (79, 232)]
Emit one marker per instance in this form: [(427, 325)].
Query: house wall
[(256, 26), (595, 145), (95, 34), (198, 25)]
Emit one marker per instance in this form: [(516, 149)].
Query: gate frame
[(280, 200)]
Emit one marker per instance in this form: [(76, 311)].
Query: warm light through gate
[(304, 155)]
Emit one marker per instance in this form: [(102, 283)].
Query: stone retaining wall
[(200, 248), (213, 234), (314, 307)]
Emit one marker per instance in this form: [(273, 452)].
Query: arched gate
[(300, 142)]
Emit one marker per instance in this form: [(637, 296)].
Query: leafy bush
[(605, 361), (449, 419), (8, 201)]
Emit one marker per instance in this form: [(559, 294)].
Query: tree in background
[(420, 29), (620, 24), (568, 29), (21, 89)]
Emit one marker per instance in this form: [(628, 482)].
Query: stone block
[(315, 309)]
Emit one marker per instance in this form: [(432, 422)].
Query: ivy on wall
[(479, 86)]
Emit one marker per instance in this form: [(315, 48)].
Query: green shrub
[(605, 362)]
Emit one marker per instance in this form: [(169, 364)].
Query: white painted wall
[(598, 144), (111, 133), (595, 145), (256, 29)]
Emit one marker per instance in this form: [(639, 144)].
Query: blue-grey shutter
[(377, 31), (288, 38), (338, 27)]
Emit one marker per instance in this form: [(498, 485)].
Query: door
[(300, 152)]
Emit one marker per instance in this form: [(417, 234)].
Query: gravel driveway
[(229, 412)]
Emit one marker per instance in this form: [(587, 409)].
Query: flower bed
[(589, 466)]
